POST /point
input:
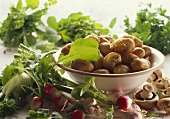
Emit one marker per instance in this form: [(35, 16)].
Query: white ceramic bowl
[(126, 82)]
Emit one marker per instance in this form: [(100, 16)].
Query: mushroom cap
[(143, 103), (165, 93), (163, 103)]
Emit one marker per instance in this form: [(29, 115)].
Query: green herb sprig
[(77, 25), (21, 27), (152, 26)]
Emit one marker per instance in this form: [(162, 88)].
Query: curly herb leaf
[(152, 26), (8, 107)]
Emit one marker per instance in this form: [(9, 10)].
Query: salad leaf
[(112, 23), (33, 4), (86, 49), (51, 21)]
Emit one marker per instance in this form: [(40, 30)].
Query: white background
[(99, 10)]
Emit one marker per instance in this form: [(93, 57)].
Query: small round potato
[(82, 65), (101, 71), (138, 42), (94, 36), (138, 51), (111, 60), (120, 69), (105, 48), (66, 49), (127, 58), (139, 64), (99, 63), (147, 51), (105, 38), (123, 45)]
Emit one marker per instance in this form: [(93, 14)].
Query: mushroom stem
[(155, 76), (147, 92)]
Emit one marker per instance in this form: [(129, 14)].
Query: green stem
[(64, 88), (36, 81), (22, 46), (105, 102)]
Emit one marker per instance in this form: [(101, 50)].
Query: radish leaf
[(85, 49)]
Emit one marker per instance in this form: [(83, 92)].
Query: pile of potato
[(123, 55)]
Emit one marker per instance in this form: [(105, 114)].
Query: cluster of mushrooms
[(155, 94), (124, 55)]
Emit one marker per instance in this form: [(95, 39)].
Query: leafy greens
[(77, 25), (152, 27), (21, 27)]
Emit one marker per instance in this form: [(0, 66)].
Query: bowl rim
[(153, 50)]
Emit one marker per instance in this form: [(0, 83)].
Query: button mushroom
[(146, 93), (146, 98), (165, 94), (164, 104), (162, 83), (155, 76)]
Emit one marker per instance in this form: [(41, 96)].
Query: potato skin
[(66, 49), (138, 51), (139, 64), (138, 42), (101, 71), (147, 51), (120, 69), (99, 63), (123, 45), (127, 58), (105, 48), (111, 60), (82, 65), (95, 37), (105, 38)]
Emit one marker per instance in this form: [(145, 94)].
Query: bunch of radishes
[(60, 100), (126, 108)]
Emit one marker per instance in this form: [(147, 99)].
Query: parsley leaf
[(152, 26)]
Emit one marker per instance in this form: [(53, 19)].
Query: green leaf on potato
[(85, 49)]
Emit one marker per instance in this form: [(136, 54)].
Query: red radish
[(78, 114), (50, 91), (61, 102), (36, 103), (114, 94), (124, 102)]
